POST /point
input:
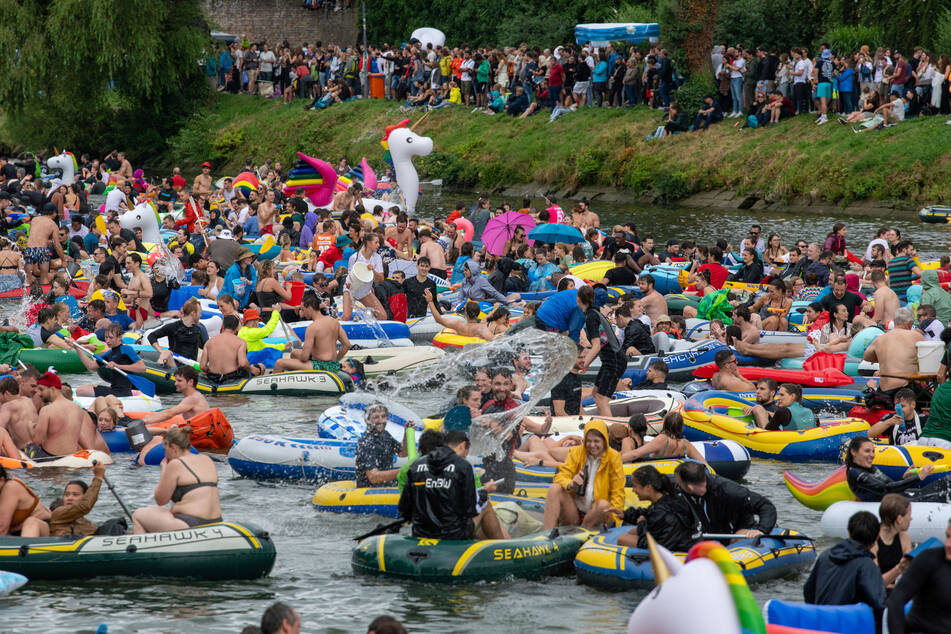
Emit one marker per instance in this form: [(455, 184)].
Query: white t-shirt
[(113, 198), (467, 68), (375, 262), (267, 60), (898, 108), (739, 63), (801, 65)]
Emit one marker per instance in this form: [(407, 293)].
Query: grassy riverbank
[(910, 162)]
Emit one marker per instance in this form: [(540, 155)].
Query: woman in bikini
[(11, 267), (21, 512), (214, 283), (189, 481), (271, 295), (669, 443)]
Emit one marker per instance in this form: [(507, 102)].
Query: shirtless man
[(203, 184), (225, 356), (192, 404), (29, 389), (267, 212), (43, 231), (58, 198), (347, 199), (125, 167), (728, 377), (741, 318), (17, 412), (896, 352), (433, 250), (403, 237), (886, 301), (63, 427), (653, 302), (138, 291), (319, 350), (589, 218), (472, 326)]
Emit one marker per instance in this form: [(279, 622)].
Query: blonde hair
[(179, 436)]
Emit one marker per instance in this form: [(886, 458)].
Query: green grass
[(910, 162)]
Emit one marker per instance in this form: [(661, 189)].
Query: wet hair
[(82, 485), (455, 436), (472, 310), (854, 445), (500, 371), (463, 393), (114, 329), (188, 373), (179, 436), (230, 322), (386, 624), (674, 425), (45, 314), (863, 528), (905, 394), (429, 440), (273, 618), (721, 356), (97, 304), (691, 472), (638, 424), (650, 476), (373, 408), (9, 385), (660, 367), (892, 507), (769, 382), (586, 295), (795, 389)]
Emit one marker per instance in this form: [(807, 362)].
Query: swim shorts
[(237, 375), (326, 366), (824, 89), (37, 255), (36, 452)]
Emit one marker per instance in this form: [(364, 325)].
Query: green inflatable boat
[(536, 555), (63, 361), (224, 550)]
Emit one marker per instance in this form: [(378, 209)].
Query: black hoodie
[(440, 496), (844, 574)]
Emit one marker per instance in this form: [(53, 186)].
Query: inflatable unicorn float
[(720, 601), (66, 163)]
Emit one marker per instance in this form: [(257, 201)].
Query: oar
[(113, 489), (382, 529), (296, 345), (141, 384)]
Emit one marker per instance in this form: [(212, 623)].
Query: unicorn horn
[(661, 571), (55, 151), (420, 121)]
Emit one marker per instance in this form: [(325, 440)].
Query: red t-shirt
[(454, 215), (556, 76), (178, 181), (718, 273)]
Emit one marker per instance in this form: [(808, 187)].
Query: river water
[(312, 572)]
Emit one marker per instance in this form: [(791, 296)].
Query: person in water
[(893, 543), (668, 518), (870, 485), (69, 513), (189, 481), (377, 450), (588, 489), (927, 584), (846, 573), (440, 497), (21, 512), (723, 506)]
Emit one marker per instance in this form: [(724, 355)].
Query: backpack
[(608, 331), (752, 121)]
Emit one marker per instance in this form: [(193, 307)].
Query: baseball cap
[(206, 164), (50, 380)]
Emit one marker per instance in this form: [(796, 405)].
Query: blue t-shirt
[(600, 72), (70, 301), (561, 312), (122, 319), (91, 241)]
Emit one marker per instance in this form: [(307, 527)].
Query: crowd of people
[(865, 88)]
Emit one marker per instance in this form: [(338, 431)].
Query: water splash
[(431, 390), (366, 315)]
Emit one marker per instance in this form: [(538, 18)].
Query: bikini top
[(20, 515), (663, 452), (182, 489)]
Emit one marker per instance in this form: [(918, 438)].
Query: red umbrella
[(500, 230)]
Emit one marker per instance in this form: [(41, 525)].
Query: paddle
[(141, 384), (382, 529), (112, 488), (297, 344)]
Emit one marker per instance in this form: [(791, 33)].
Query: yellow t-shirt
[(455, 96), (445, 66)]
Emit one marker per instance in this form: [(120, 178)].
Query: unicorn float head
[(66, 162), (143, 216), (719, 599), (403, 145)]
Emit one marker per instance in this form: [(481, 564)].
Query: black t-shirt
[(161, 293), (611, 248), (415, 302), (46, 334), (582, 71), (850, 300), (621, 276), (569, 391), (33, 198), (8, 171)]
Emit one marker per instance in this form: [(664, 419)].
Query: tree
[(687, 26), (85, 74)]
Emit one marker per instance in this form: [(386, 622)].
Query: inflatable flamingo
[(404, 144), (66, 162)]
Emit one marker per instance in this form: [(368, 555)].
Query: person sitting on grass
[(709, 113), (588, 488)]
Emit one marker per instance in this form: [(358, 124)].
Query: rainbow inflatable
[(313, 179), (385, 142), (246, 182)]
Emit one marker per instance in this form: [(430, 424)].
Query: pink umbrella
[(500, 230)]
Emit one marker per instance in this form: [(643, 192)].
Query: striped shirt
[(900, 275)]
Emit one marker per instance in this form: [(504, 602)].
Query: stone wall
[(274, 21)]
